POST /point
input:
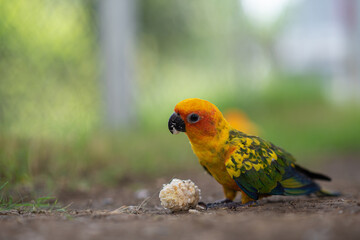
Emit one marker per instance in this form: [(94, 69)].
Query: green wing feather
[(259, 167)]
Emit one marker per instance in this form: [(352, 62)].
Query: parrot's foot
[(234, 205), (217, 204), (228, 204)]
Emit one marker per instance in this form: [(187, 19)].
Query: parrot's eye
[(193, 118)]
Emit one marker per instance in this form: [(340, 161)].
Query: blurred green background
[(290, 67)]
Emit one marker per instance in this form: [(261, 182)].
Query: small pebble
[(107, 201), (194, 211), (201, 206), (142, 194)]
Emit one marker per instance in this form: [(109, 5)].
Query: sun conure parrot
[(240, 162)]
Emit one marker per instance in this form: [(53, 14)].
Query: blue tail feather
[(296, 183)]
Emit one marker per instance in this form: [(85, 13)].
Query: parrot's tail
[(325, 193)]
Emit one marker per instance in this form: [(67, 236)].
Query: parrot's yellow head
[(198, 118)]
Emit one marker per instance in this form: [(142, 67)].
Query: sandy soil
[(108, 214)]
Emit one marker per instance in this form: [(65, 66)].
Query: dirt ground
[(122, 213)]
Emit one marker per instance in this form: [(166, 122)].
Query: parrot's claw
[(228, 204), (217, 204), (234, 205)]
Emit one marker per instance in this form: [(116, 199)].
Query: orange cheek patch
[(206, 125)]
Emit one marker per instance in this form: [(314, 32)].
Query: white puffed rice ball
[(179, 195)]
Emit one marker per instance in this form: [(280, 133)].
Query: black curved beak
[(176, 124)]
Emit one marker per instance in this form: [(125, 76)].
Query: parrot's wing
[(259, 167), (251, 175)]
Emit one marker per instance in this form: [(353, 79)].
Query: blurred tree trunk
[(352, 61), (117, 30), (346, 84), (357, 52)]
